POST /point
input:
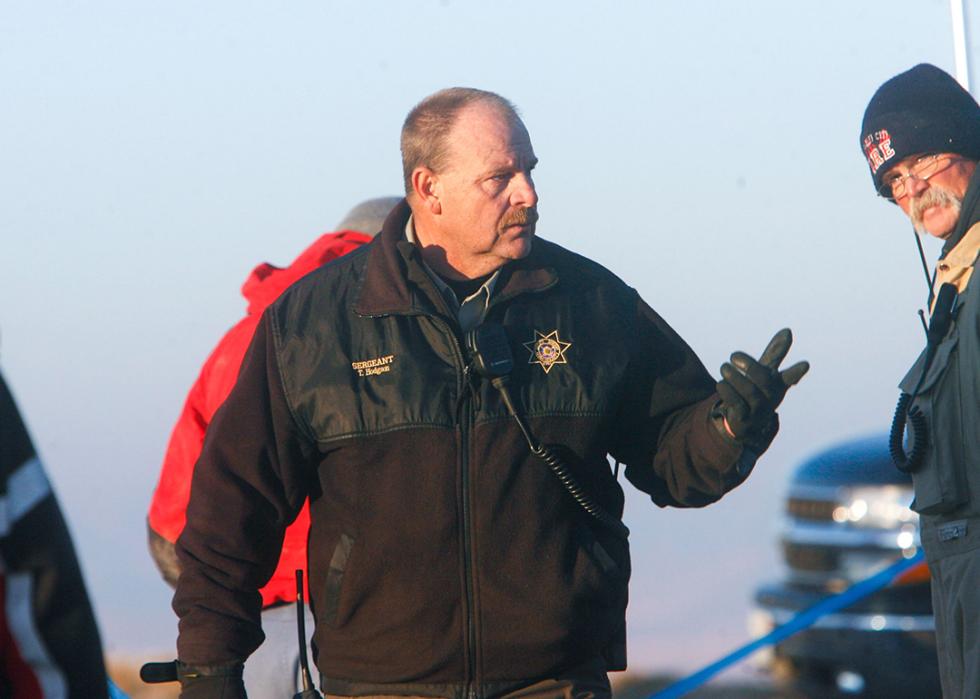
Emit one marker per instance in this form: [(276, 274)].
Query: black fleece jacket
[(444, 557)]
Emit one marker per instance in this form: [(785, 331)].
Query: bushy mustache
[(525, 216), (934, 196)]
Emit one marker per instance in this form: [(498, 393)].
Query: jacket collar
[(395, 276), (969, 214)]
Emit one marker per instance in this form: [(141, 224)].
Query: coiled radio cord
[(559, 468), (918, 433), (905, 412)]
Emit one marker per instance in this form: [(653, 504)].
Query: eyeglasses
[(894, 186)]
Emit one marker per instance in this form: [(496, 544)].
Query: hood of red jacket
[(267, 282)]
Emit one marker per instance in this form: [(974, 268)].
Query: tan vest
[(957, 266)]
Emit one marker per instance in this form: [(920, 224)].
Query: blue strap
[(115, 692), (799, 622)]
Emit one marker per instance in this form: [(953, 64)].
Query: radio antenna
[(308, 691), (925, 265)]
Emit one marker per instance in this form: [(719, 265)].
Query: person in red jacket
[(49, 640), (166, 516)]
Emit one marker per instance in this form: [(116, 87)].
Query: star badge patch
[(547, 350)]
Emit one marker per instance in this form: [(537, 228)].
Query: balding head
[(476, 209), (424, 140)]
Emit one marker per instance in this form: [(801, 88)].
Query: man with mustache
[(447, 397), (921, 137)]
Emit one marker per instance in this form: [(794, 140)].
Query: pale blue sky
[(153, 153)]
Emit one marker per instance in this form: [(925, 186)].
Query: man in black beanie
[(921, 138)]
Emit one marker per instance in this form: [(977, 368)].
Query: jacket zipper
[(468, 567), (464, 416)]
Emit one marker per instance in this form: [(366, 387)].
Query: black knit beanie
[(923, 110)]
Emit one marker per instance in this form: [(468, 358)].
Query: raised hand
[(751, 390)]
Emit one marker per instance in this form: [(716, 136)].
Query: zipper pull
[(465, 389)]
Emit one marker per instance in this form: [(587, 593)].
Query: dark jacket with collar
[(444, 556), (947, 485)]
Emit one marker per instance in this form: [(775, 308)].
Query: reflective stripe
[(20, 617), (26, 487)]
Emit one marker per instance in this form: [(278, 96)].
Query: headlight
[(760, 623), (881, 507)]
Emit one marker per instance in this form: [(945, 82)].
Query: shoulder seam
[(304, 428)]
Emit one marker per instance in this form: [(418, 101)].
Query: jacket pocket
[(940, 484), (335, 578), (609, 560), (604, 578), (938, 367)]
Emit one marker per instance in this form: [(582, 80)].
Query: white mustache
[(934, 196)]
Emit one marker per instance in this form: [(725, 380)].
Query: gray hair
[(427, 126), (368, 216)]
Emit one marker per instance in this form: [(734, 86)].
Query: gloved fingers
[(765, 378), (746, 388), (734, 405), (777, 349), (793, 375)]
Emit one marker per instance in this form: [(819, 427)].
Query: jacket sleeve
[(666, 438), (249, 484), (49, 641), (168, 507)]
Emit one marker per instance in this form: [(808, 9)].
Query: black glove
[(211, 681), (751, 390)]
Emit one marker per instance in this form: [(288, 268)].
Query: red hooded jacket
[(218, 375)]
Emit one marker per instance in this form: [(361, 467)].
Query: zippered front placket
[(464, 424), (464, 420)]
